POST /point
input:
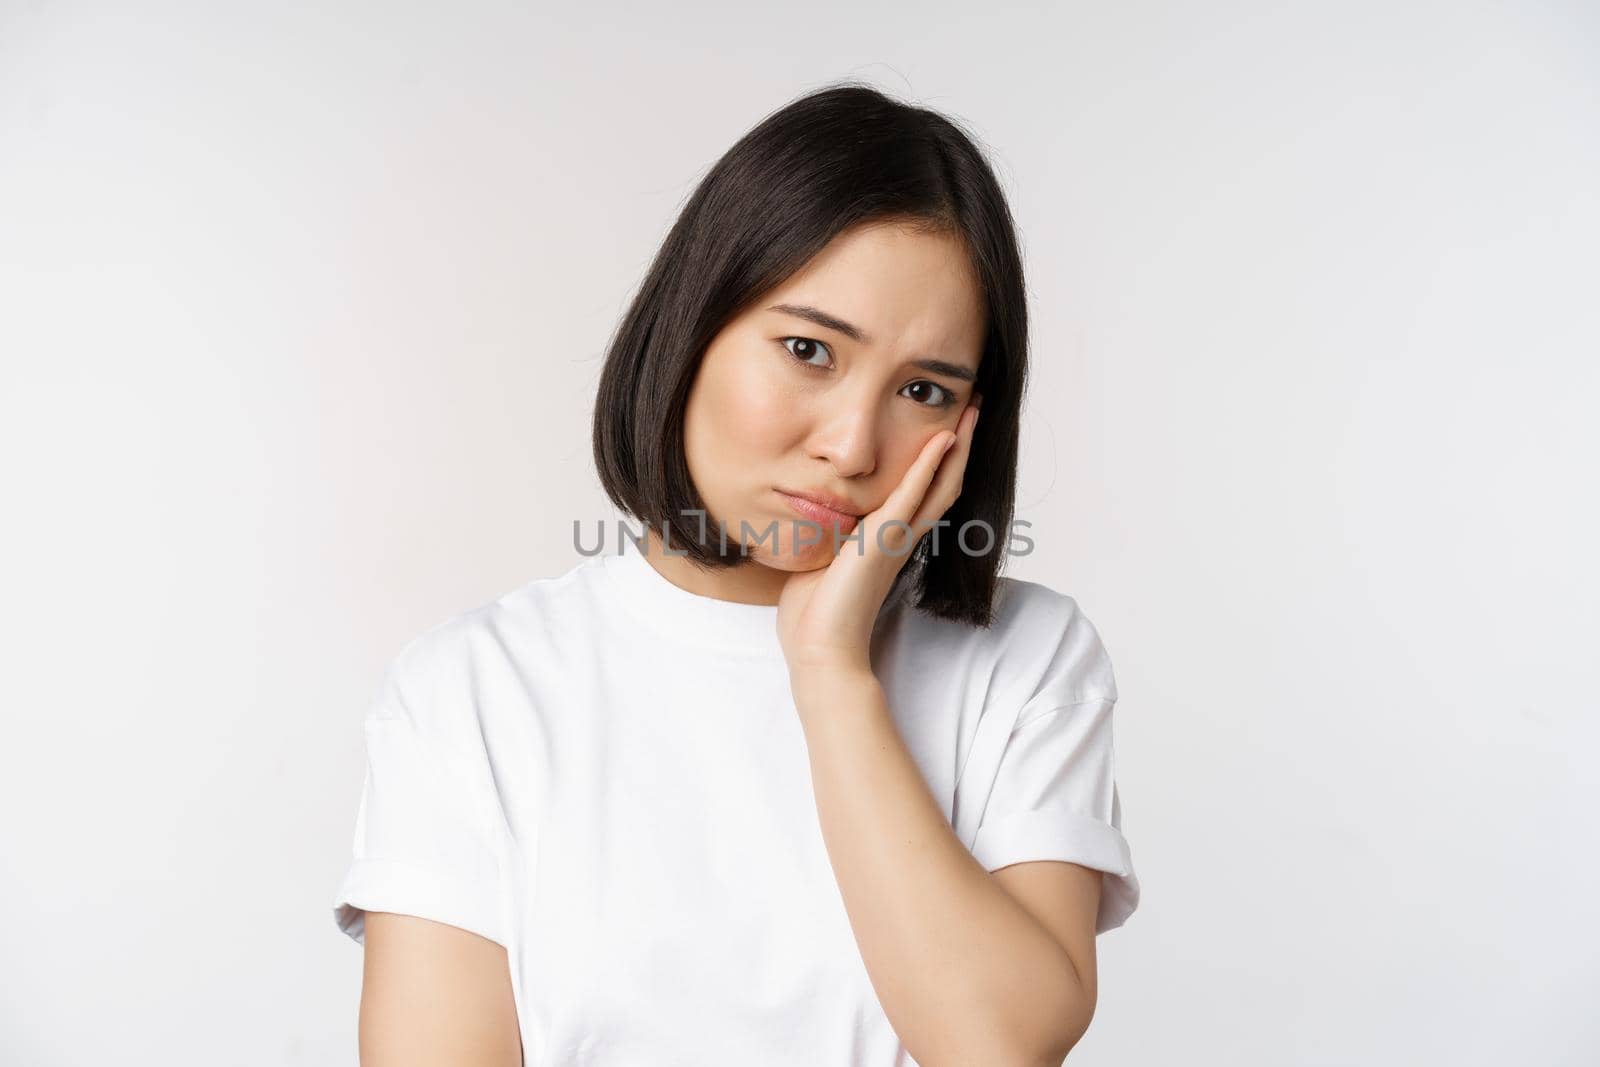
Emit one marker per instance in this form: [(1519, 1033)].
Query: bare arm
[(970, 967), (434, 995)]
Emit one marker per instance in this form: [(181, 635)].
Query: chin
[(787, 558)]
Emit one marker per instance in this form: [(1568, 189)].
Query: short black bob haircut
[(838, 157)]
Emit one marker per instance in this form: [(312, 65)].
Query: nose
[(846, 434)]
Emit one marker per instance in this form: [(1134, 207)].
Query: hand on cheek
[(825, 616)]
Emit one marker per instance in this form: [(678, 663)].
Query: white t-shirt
[(606, 774)]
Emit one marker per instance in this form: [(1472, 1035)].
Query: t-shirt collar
[(678, 614)]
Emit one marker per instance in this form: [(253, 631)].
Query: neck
[(748, 582)]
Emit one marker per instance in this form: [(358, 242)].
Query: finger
[(907, 496), (947, 483)]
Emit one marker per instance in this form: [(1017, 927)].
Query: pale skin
[(970, 966)]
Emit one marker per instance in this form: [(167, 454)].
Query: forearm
[(964, 973)]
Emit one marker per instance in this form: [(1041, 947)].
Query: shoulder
[(1041, 647), (437, 679), (1063, 649)]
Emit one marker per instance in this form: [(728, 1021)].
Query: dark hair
[(835, 158)]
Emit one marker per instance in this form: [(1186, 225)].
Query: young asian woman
[(803, 779)]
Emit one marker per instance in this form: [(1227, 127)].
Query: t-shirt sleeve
[(1054, 795), (424, 840)]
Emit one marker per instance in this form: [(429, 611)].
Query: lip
[(826, 510)]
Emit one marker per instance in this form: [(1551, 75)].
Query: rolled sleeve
[(1055, 798), (424, 840)]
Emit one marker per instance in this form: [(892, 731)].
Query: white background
[(301, 315)]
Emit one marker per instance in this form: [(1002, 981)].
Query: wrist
[(830, 678)]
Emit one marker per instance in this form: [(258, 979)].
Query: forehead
[(904, 288)]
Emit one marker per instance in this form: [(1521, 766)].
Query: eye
[(805, 349), (946, 397)]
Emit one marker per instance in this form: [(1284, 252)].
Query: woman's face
[(787, 401)]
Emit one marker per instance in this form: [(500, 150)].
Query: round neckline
[(677, 613)]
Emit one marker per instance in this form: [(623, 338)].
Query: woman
[(798, 777)]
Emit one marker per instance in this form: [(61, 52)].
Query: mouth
[(827, 514)]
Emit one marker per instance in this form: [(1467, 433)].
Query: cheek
[(747, 408), (742, 417), (907, 445)]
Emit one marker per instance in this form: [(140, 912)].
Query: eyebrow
[(856, 334)]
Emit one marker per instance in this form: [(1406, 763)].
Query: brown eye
[(944, 397), (805, 349)]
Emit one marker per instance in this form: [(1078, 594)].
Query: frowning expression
[(831, 384)]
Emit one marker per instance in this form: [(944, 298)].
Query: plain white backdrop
[(301, 314)]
